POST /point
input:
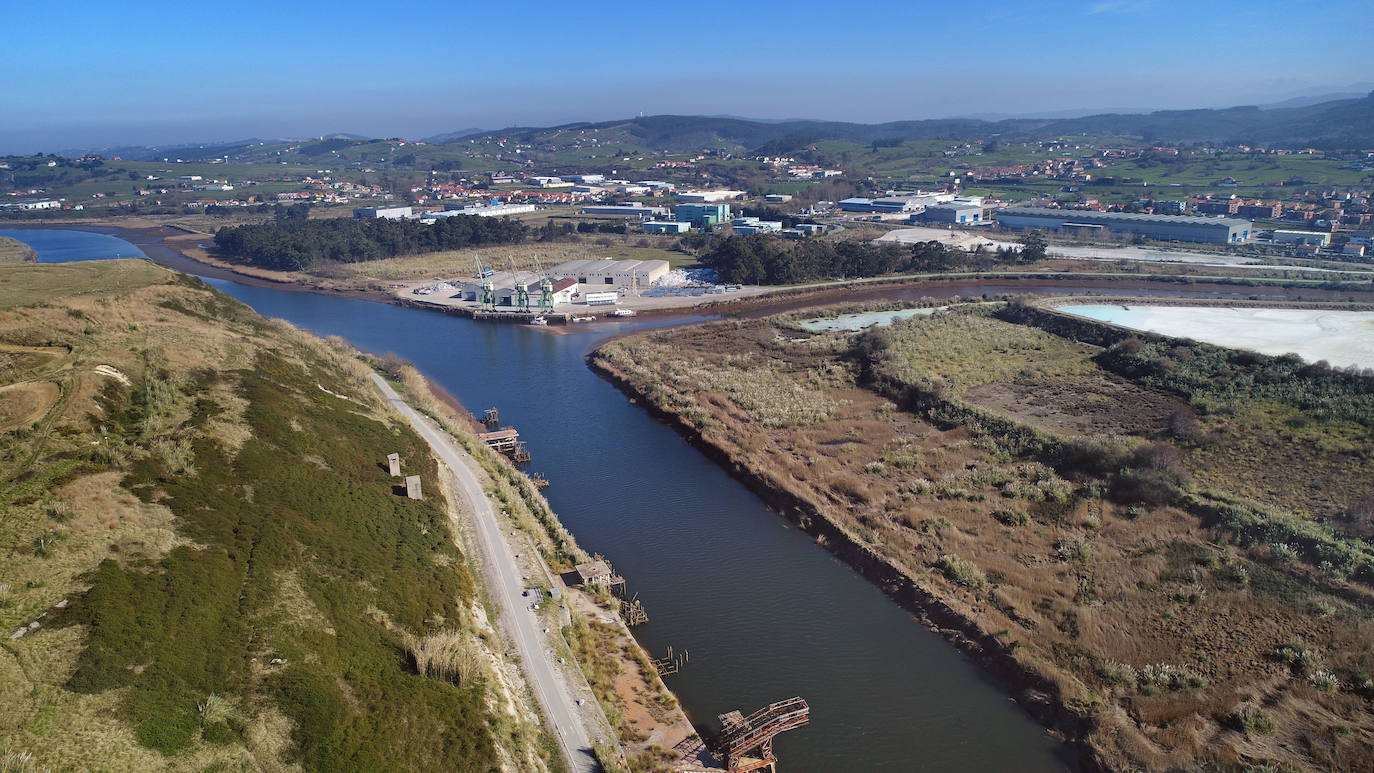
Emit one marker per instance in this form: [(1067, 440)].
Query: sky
[(88, 73)]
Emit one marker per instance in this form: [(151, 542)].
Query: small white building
[(1302, 237)]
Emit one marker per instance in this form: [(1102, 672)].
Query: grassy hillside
[(1164, 547), (15, 251), (209, 564)]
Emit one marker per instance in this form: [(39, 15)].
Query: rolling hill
[(1344, 123)]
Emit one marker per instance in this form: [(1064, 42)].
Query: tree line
[(292, 244), (769, 260)]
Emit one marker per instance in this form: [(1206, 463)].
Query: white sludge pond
[(853, 323), (1342, 338)]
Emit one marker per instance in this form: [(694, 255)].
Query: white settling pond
[(1339, 337), (853, 323)]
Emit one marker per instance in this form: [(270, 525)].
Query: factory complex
[(1218, 230), (594, 282)]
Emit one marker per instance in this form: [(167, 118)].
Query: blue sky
[(85, 73)]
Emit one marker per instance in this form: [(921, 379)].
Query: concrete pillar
[(394, 462), (413, 486)]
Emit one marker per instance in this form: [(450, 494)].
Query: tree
[(1034, 248)]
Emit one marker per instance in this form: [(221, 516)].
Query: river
[(763, 610)]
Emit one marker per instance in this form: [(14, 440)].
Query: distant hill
[(439, 139), (1341, 123)]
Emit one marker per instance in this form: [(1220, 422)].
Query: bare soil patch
[(23, 405), (1102, 403)]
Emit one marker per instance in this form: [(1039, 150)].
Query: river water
[(764, 612)]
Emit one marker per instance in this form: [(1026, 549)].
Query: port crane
[(487, 295), (545, 287), (522, 288)]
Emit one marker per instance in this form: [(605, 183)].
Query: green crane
[(487, 297), (545, 287), (522, 288)]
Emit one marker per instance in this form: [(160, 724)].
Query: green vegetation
[(238, 576), (291, 245), (761, 259)]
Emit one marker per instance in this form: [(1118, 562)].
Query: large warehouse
[(1221, 230), (607, 273)]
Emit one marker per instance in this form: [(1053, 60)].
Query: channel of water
[(765, 612)]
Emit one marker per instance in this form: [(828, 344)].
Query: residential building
[(1219, 207), (1222, 230), (1260, 210)]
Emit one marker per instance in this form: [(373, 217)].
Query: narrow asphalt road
[(505, 586)]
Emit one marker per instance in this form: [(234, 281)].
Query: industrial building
[(702, 215), (895, 203), (665, 227), (777, 198), (608, 274), (490, 210), (950, 213), (389, 213), (753, 225), (706, 197), (1219, 230), (1302, 237), (634, 209)]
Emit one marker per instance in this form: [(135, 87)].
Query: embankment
[(1031, 690)]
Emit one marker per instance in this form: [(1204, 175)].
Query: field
[(1160, 564), (459, 264), (206, 565)]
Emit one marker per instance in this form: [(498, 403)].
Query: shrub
[(1324, 680), (1120, 674), (1300, 658), (962, 572), (1251, 720), (1011, 517), (1073, 550)]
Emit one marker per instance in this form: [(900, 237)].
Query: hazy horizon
[(165, 73)]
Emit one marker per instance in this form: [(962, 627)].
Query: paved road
[(505, 586)]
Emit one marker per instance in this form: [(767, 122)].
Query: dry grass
[(449, 655), (460, 264), (15, 251), (962, 350), (1136, 616)]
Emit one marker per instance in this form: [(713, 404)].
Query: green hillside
[(211, 568)]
